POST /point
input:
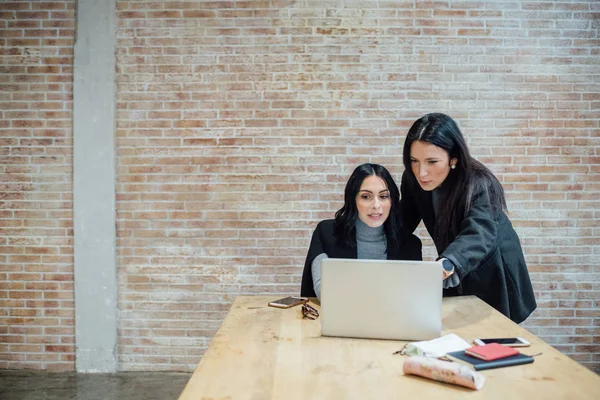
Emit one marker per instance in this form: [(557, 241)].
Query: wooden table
[(262, 352)]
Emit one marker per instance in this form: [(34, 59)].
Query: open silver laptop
[(381, 299)]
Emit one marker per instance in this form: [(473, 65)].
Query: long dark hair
[(469, 177), (345, 217)]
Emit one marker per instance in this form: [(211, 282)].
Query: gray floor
[(39, 385)]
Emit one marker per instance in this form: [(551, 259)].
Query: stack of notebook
[(491, 355)]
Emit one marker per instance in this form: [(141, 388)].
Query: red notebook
[(491, 351)]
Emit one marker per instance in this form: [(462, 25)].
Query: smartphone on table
[(510, 342), (288, 302)]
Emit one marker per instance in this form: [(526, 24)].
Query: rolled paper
[(443, 371)]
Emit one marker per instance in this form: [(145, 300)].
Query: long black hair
[(469, 177), (345, 217)]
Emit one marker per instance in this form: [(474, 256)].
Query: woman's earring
[(453, 166)]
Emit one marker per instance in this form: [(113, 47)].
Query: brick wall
[(36, 237), (239, 122)]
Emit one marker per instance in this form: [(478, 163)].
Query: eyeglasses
[(309, 312)]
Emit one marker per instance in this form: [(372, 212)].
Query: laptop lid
[(381, 299)]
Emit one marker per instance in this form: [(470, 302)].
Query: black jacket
[(324, 241), (487, 253)]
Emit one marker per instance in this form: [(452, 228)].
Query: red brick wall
[(36, 236), (239, 123)]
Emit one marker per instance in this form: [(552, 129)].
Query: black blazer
[(487, 253), (325, 241)]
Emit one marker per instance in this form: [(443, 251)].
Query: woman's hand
[(450, 279), (447, 268)]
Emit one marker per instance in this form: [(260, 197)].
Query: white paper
[(437, 347)]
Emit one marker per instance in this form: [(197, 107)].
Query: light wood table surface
[(262, 352)]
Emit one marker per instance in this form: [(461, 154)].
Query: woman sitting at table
[(366, 227)]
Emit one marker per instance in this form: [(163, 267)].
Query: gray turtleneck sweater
[(371, 244)]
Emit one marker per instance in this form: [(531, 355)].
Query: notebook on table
[(381, 299), (479, 365), (491, 352)]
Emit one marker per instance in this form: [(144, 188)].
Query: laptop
[(381, 299)]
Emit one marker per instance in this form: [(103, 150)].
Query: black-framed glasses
[(309, 312)]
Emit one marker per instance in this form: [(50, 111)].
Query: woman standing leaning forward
[(462, 205)]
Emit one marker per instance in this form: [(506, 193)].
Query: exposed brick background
[(36, 146), (239, 123)]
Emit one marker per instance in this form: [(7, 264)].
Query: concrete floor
[(39, 385)]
